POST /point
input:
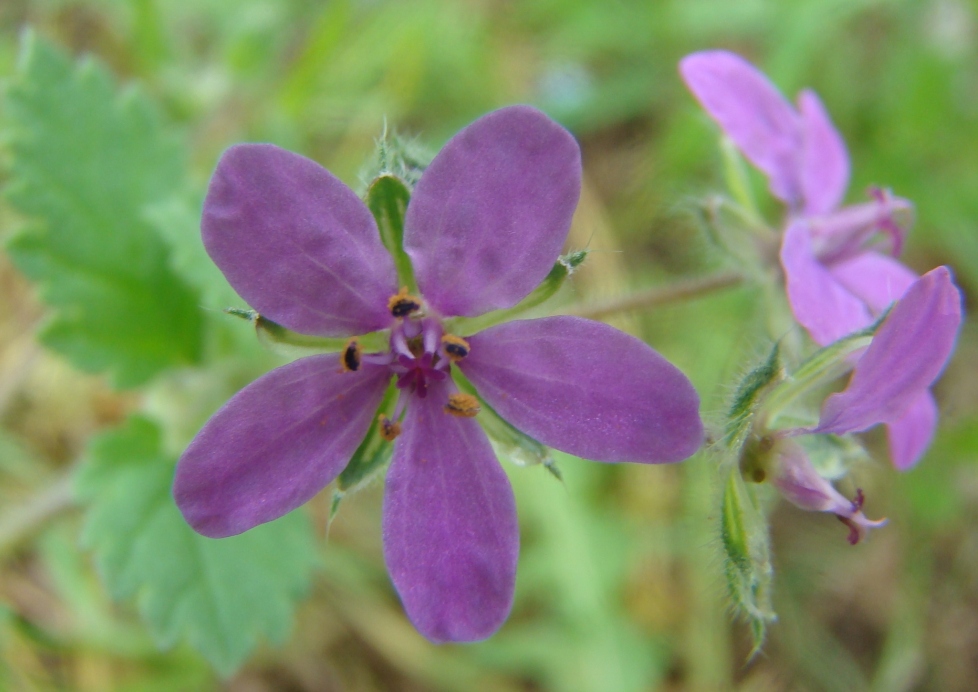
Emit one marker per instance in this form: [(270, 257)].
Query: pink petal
[(876, 279), (824, 162), (798, 481), (752, 112), (296, 243), (821, 304), (490, 214), (587, 389), (451, 539), (275, 444), (910, 434), (906, 356)]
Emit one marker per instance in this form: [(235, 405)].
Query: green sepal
[(822, 367), (508, 441), (398, 156), (740, 415), (284, 342), (746, 546), (563, 268), (388, 197), (738, 181), (371, 456)]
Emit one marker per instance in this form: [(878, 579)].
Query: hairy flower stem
[(661, 295), (21, 522)]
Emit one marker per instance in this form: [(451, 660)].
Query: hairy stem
[(660, 295)]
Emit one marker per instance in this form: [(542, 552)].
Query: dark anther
[(403, 304), (351, 356), (456, 348)]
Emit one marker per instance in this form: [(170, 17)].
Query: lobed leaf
[(223, 596), (86, 164)]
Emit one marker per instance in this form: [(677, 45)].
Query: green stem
[(661, 295)]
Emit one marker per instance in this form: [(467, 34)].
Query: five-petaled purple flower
[(837, 278), (484, 226), (906, 355)]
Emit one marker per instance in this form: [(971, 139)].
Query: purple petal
[(798, 481), (824, 164), (490, 214), (296, 243), (906, 356), (275, 444), (587, 389), (876, 279), (820, 303), (451, 539), (911, 433), (845, 231), (752, 112)]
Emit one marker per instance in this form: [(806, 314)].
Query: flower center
[(417, 359)]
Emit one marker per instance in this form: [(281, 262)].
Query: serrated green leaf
[(224, 595), (86, 162)]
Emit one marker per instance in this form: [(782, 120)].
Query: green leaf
[(86, 163), (221, 595)]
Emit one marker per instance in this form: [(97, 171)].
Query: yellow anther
[(463, 405), (403, 303), (456, 348), (389, 429)]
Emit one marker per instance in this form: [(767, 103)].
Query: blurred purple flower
[(836, 278), (906, 355), (794, 476), (483, 228)]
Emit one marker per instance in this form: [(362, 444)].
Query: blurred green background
[(620, 585)]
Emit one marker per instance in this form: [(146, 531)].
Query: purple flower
[(483, 228), (794, 476), (837, 279), (905, 357)]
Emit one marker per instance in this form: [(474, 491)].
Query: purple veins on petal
[(451, 538), (275, 444), (906, 355), (587, 389), (752, 112), (296, 243), (490, 215)]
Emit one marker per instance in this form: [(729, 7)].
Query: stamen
[(403, 304), (352, 356), (389, 429), (456, 348), (853, 536), (463, 405)]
